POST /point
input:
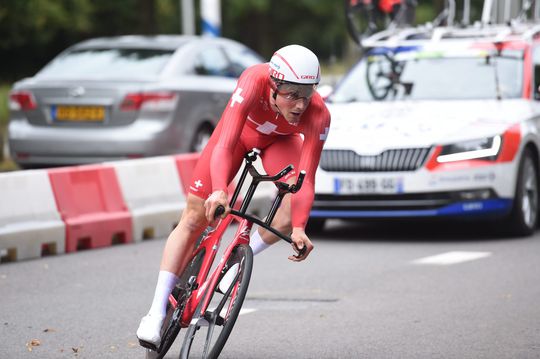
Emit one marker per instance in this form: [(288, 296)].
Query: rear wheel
[(171, 324), (208, 335), (524, 215)]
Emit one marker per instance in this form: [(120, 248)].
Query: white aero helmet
[(296, 64)]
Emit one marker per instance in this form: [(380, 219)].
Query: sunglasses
[(293, 92)]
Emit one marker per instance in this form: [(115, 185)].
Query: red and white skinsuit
[(248, 121)]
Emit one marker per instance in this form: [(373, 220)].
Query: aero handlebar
[(283, 189)]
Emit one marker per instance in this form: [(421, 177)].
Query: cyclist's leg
[(179, 245), (175, 256), (283, 151), (182, 239)]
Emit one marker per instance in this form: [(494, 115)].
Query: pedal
[(147, 345)]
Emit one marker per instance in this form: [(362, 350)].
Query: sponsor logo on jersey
[(324, 136)]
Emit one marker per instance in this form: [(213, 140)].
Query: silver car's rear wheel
[(201, 138), (524, 216)]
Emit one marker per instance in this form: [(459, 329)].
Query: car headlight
[(487, 148)]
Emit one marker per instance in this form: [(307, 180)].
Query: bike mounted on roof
[(372, 20), (381, 41), (366, 17)]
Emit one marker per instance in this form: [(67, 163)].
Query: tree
[(34, 31)]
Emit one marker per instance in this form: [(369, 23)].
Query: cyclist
[(275, 107)]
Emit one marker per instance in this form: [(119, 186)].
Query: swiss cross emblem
[(324, 135), (236, 97), (196, 185)]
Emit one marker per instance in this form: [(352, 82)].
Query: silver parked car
[(124, 97)]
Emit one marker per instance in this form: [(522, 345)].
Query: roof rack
[(487, 28)]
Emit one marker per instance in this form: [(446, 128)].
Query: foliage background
[(34, 31)]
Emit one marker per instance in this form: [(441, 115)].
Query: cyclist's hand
[(216, 199), (300, 240)]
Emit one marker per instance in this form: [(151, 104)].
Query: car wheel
[(315, 225), (201, 138), (524, 215)]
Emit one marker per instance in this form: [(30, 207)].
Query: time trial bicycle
[(197, 302)]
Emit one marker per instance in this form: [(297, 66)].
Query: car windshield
[(423, 76), (107, 63)]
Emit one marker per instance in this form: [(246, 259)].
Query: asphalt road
[(367, 291)]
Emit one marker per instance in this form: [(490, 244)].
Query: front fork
[(198, 287)]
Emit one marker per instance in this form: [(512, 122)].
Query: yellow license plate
[(79, 113)]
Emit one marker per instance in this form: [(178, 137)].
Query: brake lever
[(219, 211), (296, 187)]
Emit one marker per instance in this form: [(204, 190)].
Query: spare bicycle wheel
[(207, 335), (360, 19)]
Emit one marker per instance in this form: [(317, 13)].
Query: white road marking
[(451, 258), (247, 310)]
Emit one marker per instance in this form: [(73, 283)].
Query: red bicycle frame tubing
[(211, 245)]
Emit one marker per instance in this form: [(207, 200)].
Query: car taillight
[(22, 100), (156, 101)]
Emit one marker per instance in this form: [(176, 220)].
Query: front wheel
[(207, 335), (524, 216)]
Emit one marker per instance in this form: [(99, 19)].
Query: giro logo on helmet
[(296, 64), (277, 75)]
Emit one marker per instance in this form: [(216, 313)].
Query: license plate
[(368, 185), (78, 113)]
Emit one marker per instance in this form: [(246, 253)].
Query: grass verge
[(6, 164)]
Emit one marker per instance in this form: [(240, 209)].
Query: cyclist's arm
[(314, 137), (234, 116)]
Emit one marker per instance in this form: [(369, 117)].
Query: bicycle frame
[(211, 242)]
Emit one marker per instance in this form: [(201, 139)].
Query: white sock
[(257, 246), (228, 278), (165, 284), (256, 242)]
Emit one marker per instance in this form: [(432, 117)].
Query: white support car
[(438, 123)]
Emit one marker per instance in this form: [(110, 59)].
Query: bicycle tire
[(379, 90), (171, 325), (357, 16), (242, 255)]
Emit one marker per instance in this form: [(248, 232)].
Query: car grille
[(409, 159)]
